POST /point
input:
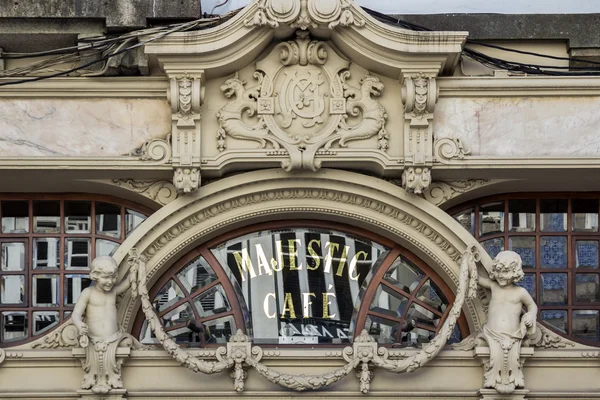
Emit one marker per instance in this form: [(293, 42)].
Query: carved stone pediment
[(302, 104)]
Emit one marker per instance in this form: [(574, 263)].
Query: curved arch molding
[(328, 195)]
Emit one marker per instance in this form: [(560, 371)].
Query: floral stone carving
[(505, 329), (302, 104)]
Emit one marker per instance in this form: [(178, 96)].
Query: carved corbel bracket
[(419, 96), (304, 14), (186, 95)]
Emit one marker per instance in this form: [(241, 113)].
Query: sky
[(452, 6)]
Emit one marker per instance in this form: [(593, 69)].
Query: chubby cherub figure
[(100, 334), (506, 328)]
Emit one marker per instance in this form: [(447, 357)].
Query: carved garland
[(364, 350)]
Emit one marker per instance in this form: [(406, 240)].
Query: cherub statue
[(505, 328), (100, 334)]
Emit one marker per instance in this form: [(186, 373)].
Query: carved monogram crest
[(302, 104)]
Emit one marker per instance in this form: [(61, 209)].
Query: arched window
[(296, 283), (557, 237), (47, 243)]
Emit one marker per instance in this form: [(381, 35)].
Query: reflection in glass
[(491, 218), (180, 315), (584, 215), (493, 246), (43, 321), (168, 295), (46, 216), (431, 295), (417, 336), (521, 215), (525, 247), (553, 251), (219, 330), (586, 254), (196, 275), (14, 326), (586, 324), (78, 216), (586, 288), (553, 215), (421, 315), (146, 334), (181, 335), (12, 289), (383, 330), (213, 301), (403, 275), (467, 219), (13, 256), (132, 220), (556, 318), (387, 302), (77, 253), (528, 282), (15, 216), (46, 253), (73, 286), (45, 290), (554, 289), (105, 247), (108, 219)]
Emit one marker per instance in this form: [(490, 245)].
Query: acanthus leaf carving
[(440, 192), (545, 338), (163, 192), (302, 102), (416, 179), (65, 336)]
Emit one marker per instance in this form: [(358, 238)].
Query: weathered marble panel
[(522, 127), (75, 127)]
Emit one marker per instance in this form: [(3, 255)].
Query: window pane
[(417, 336), (13, 256), (196, 275), (78, 216), (15, 216), (528, 283), (77, 253), (108, 219), (467, 219), (421, 315), (493, 246), (403, 275), (431, 295), (43, 321), (46, 252), (12, 289), (168, 295), (586, 325), (525, 247), (213, 301), (554, 289), (46, 216), (586, 254), (181, 315), (521, 217), (388, 302), (383, 330), (491, 218), (132, 220), (556, 318), (45, 290), (586, 288), (219, 330), (74, 285), (181, 335), (105, 247), (14, 326), (585, 215), (553, 251), (553, 217)]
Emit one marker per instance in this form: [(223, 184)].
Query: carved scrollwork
[(447, 149), (65, 336), (545, 338), (440, 192), (158, 150), (163, 192), (304, 103), (416, 179)]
